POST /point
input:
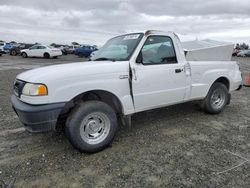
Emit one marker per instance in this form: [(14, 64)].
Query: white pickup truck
[(129, 74)]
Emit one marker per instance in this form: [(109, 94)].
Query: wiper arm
[(104, 59)]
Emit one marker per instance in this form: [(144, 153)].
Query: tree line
[(242, 46)]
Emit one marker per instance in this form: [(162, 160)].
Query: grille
[(18, 87)]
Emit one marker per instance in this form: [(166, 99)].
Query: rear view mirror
[(139, 58)]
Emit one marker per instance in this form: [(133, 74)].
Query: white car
[(87, 99), (41, 51)]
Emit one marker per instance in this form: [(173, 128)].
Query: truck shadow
[(162, 115)]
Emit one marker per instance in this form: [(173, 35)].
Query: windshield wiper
[(104, 59)]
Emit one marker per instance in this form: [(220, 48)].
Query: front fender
[(118, 87)]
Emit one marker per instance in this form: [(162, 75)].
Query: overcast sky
[(94, 21)]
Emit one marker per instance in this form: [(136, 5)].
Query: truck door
[(158, 78)]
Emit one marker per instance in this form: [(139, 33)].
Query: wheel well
[(223, 80), (99, 95), (24, 53)]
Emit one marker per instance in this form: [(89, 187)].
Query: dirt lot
[(178, 146)]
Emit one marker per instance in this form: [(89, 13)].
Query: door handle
[(178, 70)]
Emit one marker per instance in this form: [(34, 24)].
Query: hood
[(69, 70)]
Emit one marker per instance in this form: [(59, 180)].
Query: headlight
[(34, 89)]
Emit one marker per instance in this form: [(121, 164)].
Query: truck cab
[(160, 72)]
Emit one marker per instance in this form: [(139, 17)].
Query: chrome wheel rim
[(95, 128), (218, 99)]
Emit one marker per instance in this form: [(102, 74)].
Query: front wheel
[(91, 126), (216, 99)]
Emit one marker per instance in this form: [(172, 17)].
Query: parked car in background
[(7, 47), (64, 50), (16, 50), (244, 53), (235, 52), (62, 47), (41, 51), (85, 51), (71, 49)]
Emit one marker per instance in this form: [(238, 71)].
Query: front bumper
[(37, 118)]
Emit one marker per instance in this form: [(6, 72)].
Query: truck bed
[(208, 50)]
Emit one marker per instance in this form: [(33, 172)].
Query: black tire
[(74, 127), (207, 103), (64, 52), (24, 55), (13, 52), (46, 55)]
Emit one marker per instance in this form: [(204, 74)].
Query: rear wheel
[(46, 55), (24, 55), (216, 99), (91, 126), (13, 52)]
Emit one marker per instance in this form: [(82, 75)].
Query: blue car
[(7, 47), (85, 51)]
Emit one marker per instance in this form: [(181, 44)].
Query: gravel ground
[(178, 146)]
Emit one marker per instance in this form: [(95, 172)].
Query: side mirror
[(139, 58)]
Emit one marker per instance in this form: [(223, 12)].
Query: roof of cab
[(155, 32)]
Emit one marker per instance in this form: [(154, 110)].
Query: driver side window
[(33, 47), (158, 50), (41, 47)]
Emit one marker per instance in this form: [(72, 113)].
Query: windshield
[(119, 48)]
